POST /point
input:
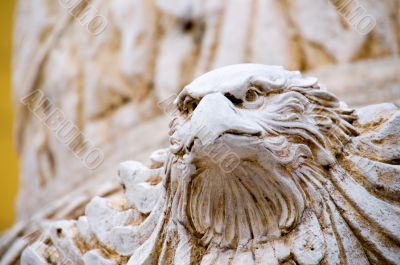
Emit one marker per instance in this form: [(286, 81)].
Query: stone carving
[(264, 167), (157, 47)]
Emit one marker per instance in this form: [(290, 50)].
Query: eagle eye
[(253, 98), (251, 95)]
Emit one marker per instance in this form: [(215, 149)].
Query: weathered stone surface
[(284, 174), (108, 84)]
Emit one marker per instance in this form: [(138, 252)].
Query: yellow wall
[(8, 160)]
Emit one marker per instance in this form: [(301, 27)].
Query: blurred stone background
[(107, 82)]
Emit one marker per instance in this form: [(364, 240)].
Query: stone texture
[(108, 84), (284, 174)]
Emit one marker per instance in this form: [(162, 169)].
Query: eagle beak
[(215, 116)]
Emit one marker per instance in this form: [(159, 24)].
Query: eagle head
[(241, 139)]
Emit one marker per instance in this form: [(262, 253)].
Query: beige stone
[(264, 167), (108, 84)]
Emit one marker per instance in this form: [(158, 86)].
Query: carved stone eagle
[(264, 167)]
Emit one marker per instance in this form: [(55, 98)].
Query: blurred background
[(89, 78), (8, 158)]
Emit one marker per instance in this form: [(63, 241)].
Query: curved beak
[(215, 116)]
